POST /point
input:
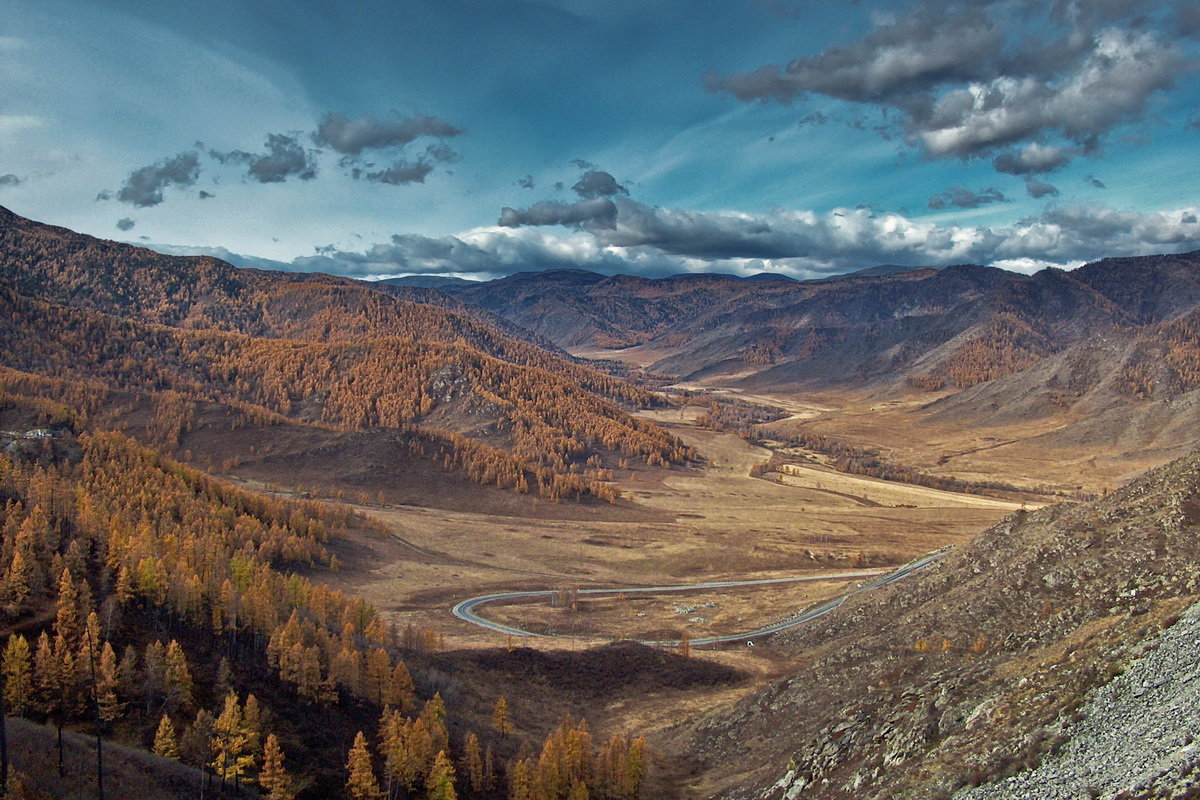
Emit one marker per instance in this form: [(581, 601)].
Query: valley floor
[(707, 523)]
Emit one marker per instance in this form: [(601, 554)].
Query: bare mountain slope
[(950, 328), (960, 673)]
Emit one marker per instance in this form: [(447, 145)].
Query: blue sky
[(652, 137)]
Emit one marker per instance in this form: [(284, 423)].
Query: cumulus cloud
[(125, 224), (852, 238), (962, 197), (9, 180), (1038, 189), (1111, 85), (919, 51), (597, 212), (351, 136), (800, 244), (144, 187), (284, 158), (598, 183), (1032, 85), (1034, 159)]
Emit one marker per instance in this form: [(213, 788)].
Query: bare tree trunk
[(99, 722), (3, 743)]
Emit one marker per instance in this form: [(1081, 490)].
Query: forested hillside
[(153, 605), (315, 350)]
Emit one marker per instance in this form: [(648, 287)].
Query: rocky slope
[(966, 673), (1135, 738)]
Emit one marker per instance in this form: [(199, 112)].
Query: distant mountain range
[(1108, 347), (930, 328)]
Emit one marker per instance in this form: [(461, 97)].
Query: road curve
[(466, 610)]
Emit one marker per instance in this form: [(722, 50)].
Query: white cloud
[(798, 243)]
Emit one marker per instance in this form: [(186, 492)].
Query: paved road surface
[(467, 608)]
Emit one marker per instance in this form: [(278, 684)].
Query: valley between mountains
[(278, 485)]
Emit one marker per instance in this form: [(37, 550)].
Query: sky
[(377, 138)]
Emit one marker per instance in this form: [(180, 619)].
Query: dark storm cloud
[(352, 136), (923, 49), (283, 158), (962, 197), (9, 180), (125, 224), (970, 79), (398, 174), (597, 212), (144, 187), (598, 183), (1038, 189)]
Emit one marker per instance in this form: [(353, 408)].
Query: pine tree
[(434, 717), (224, 684), (231, 756), (68, 622), (165, 744), (500, 717), (18, 583), (252, 723), (107, 681), (127, 672), (440, 783), (177, 678), (154, 665), (393, 738), (401, 692), (360, 782), (273, 778), (474, 763), (196, 746), (378, 674), (520, 780), (18, 675), (635, 769)]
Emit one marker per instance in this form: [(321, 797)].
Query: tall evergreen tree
[(440, 783), (165, 743), (18, 675), (360, 781), (273, 778)]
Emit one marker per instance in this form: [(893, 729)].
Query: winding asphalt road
[(466, 609)]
